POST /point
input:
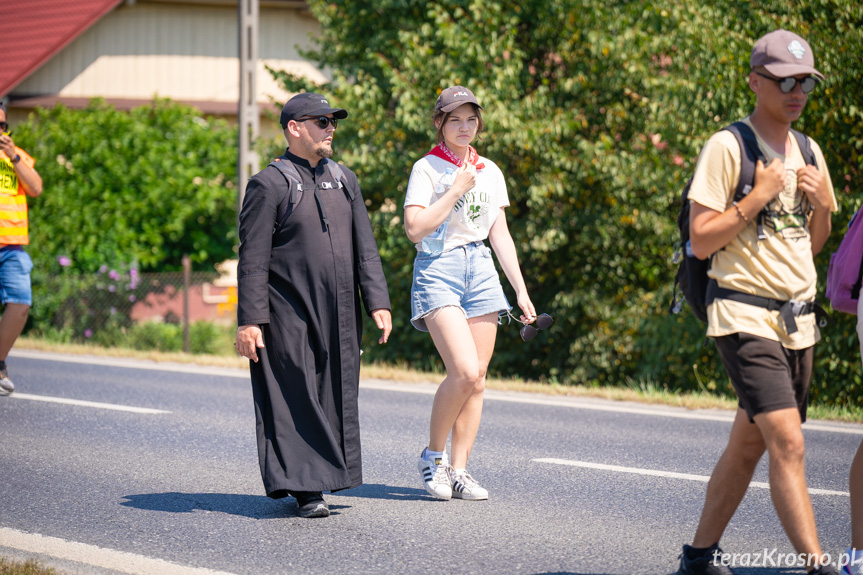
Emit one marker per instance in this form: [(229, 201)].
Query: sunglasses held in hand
[(528, 332)]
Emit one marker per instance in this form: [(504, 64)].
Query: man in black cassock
[(304, 251)]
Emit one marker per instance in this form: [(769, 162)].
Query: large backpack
[(845, 274), (295, 186), (691, 276)]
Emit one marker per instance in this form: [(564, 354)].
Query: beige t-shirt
[(780, 266)]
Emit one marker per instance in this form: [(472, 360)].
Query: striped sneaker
[(465, 487), (435, 476)]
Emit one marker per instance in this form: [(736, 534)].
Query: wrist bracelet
[(739, 213)]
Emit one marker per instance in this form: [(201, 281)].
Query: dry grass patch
[(157, 356), (29, 567)]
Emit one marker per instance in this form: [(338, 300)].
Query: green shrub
[(211, 338), (144, 186), (595, 112), (151, 335)]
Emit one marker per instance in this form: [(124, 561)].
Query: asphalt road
[(146, 468)]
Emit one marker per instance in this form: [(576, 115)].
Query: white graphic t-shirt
[(474, 213)]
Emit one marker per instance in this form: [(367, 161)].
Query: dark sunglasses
[(528, 332), (4, 126), (787, 85), (322, 121)]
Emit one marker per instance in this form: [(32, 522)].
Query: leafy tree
[(144, 186), (130, 191), (596, 112)]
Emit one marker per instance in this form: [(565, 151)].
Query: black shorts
[(766, 376)]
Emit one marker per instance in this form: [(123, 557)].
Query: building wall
[(178, 51)]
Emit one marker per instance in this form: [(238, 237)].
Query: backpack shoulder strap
[(338, 176), (805, 148), (291, 197), (750, 153), (292, 176)]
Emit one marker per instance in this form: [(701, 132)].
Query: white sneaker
[(6, 385), (435, 476), (465, 487)]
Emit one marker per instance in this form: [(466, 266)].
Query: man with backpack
[(307, 256), (760, 298)]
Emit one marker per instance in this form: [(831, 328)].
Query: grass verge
[(29, 567), (640, 394)]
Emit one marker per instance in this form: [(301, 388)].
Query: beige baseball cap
[(453, 97), (783, 54)]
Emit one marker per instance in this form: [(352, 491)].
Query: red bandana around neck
[(441, 151)]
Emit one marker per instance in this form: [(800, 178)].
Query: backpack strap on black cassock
[(295, 189)]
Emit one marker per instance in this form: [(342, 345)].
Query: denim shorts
[(463, 277), (15, 266)]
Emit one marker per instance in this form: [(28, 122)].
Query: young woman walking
[(455, 200)]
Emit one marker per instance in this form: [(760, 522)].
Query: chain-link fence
[(171, 311)]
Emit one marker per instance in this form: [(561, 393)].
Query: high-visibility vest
[(13, 201)]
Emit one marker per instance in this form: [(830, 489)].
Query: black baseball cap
[(308, 104)]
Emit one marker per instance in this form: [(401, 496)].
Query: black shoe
[(707, 564), (825, 570), (311, 504)]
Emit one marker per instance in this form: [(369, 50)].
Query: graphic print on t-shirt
[(470, 207), (786, 213)]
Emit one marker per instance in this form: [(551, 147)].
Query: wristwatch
[(16, 159)]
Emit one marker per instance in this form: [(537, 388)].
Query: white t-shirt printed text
[(474, 213)]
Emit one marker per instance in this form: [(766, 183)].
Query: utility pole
[(248, 118)]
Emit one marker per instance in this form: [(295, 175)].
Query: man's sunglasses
[(4, 126), (787, 85), (528, 332), (322, 121)]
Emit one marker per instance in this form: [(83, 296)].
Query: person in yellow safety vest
[(18, 180)]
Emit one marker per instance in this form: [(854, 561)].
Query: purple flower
[(103, 269), (133, 273), (113, 310), (113, 275), (132, 298), (88, 333), (112, 289), (64, 261)]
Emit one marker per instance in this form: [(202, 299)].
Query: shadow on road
[(765, 571), (378, 491), (253, 506), (260, 506)]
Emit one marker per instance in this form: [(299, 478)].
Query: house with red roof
[(130, 51)]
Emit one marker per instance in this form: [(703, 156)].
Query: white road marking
[(83, 403), (96, 556), (602, 405), (130, 363), (669, 474), (430, 389)]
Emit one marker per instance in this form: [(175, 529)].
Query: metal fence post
[(187, 272)]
